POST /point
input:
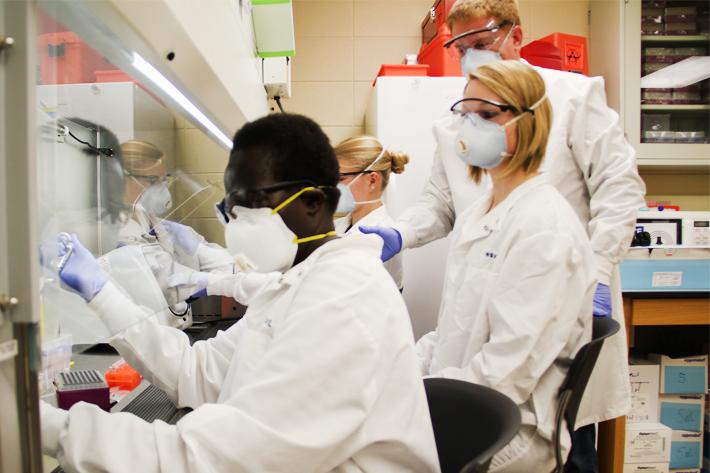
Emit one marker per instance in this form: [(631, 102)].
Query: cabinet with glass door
[(666, 90)]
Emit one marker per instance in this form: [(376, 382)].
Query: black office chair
[(471, 423), (570, 394)]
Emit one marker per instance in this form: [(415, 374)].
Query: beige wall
[(340, 45), (203, 158)]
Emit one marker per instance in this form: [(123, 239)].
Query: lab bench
[(648, 310)]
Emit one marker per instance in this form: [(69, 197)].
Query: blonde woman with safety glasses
[(517, 299), (365, 170)]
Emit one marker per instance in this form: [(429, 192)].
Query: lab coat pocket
[(471, 298)]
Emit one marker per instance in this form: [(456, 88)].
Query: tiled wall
[(203, 158), (340, 45)]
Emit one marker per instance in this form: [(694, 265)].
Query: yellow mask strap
[(314, 237), (295, 196)]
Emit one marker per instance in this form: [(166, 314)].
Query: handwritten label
[(667, 279)]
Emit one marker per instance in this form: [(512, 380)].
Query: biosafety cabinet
[(79, 79)]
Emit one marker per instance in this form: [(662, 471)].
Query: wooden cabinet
[(638, 312)]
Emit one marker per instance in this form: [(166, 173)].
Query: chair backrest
[(572, 390), (471, 423)]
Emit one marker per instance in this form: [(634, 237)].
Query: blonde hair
[(502, 10), (520, 86), (140, 157), (359, 152)]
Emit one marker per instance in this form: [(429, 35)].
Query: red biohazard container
[(572, 53), (402, 70), (65, 59), (113, 75), (440, 62)]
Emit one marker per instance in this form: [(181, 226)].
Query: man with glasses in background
[(587, 159)]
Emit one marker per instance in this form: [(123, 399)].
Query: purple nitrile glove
[(189, 284), (80, 271), (391, 237), (602, 301), (183, 235)]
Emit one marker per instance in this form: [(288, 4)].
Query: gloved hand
[(81, 272), (189, 284), (602, 301), (181, 234), (53, 421), (391, 237)]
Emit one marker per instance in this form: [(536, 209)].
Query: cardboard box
[(646, 468), (682, 411), (644, 377), (647, 442), (686, 450), (682, 375)]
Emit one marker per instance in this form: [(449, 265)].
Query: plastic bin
[(402, 70), (123, 376), (441, 62), (65, 59), (542, 54), (574, 51), (113, 75)]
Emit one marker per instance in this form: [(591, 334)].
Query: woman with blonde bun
[(365, 169)]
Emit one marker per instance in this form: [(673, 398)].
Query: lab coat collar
[(480, 224), (344, 224), (359, 242)]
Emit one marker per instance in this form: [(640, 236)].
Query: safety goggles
[(486, 109), (151, 179), (486, 38), (259, 197), (344, 175)]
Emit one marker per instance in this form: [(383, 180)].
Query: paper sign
[(667, 279)]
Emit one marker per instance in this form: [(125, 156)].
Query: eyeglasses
[(481, 39), (254, 197), (151, 179), (487, 109), (343, 175)]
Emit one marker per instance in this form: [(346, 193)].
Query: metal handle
[(6, 42), (7, 302)]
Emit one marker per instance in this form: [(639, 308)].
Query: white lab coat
[(592, 165), (516, 307), (377, 218), (319, 376)]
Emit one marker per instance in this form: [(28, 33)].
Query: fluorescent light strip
[(166, 86)]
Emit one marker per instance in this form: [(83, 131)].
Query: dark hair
[(293, 148)]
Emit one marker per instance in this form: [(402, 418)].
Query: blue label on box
[(679, 416), (685, 455), (684, 380)]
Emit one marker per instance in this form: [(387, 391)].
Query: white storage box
[(686, 450), (647, 442), (682, 411), (682, 375), (646, 468), (644, 377)]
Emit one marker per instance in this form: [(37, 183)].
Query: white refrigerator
[(401, 113)]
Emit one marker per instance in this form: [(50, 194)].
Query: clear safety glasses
[(488, 38), (486, 109), (258, 197)]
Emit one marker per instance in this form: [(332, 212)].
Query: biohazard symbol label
[(573, 55)]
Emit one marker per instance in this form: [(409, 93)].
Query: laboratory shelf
[(675, 108), (675, 38)]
